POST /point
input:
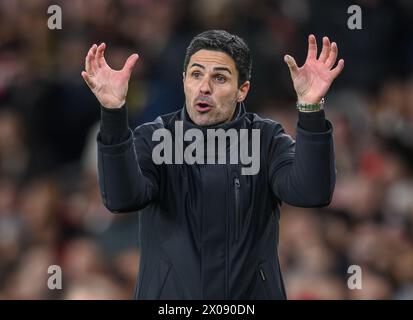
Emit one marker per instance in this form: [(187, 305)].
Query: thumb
[(292, 65), (130, 63)]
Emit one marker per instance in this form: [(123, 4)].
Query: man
[(208, 230)]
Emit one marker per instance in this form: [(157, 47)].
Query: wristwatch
[(308, 107)]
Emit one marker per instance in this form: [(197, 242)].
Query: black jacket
[(207, 231)]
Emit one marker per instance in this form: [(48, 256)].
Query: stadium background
[(50, 207)]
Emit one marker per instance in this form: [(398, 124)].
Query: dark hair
[(220, 40)]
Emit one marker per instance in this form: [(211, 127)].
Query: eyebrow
[(215, 69)]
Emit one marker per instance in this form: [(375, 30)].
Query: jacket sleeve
[(302, 173), (128, 179)]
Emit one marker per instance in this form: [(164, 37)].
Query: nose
[(205, 87)]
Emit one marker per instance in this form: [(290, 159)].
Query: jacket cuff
[(312, 121), (114, 126)]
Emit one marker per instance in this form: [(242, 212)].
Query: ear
[(183, 76), (243, 91)]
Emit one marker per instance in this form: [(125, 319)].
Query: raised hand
[(314, 78), (109, 86)]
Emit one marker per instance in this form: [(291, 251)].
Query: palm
[(314, 78), (109, 86)]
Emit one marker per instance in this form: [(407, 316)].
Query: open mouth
[(203, 107)]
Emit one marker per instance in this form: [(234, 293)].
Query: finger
[(100, 58), (292, 65), (93, 61), (89, 65), (130, 63), (337, 70), (91, 84), (332, 57), (326, 50), (312, 48)]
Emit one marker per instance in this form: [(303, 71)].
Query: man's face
[(211, 88)]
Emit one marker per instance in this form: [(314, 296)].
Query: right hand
[(109, 86)]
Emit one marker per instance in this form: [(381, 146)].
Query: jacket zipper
[(264, 281), (227, 237), (237, 186), (262, 274)]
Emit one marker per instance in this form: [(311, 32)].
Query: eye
[(220, 78), (196, 74)]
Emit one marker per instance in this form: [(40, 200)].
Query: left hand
[(314, 78)]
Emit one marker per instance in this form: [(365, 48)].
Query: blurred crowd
[(50, 207)]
